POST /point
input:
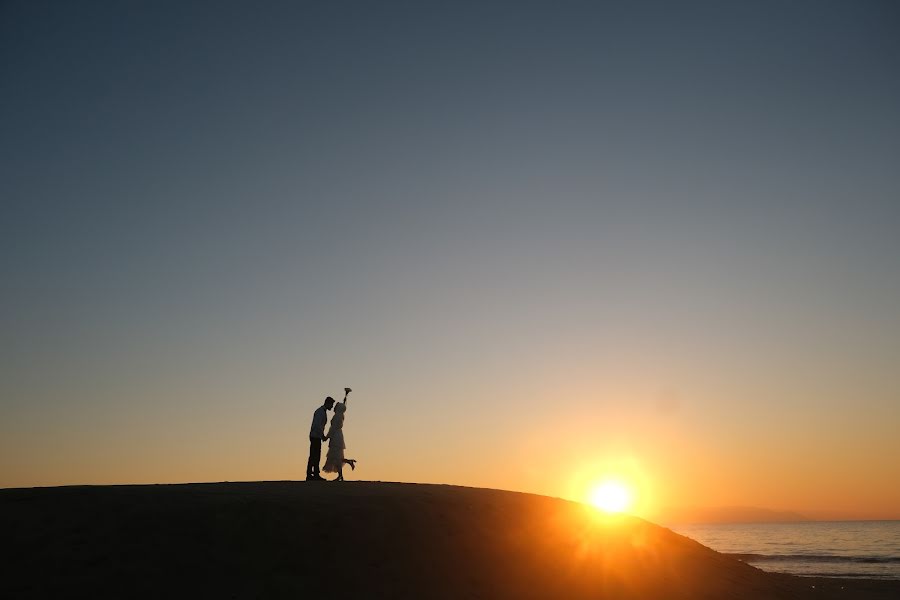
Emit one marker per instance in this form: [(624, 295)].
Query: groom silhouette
[(316, 435)]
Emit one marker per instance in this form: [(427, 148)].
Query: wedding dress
[(335, 457)]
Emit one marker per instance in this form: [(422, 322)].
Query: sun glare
[(611, 497)]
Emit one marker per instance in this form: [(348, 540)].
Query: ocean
[(868, 549)]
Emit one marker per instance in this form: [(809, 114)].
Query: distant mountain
[(729, 514)]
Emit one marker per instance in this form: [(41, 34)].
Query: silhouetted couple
[(334, 460)]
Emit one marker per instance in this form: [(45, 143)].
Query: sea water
[(868, 549)]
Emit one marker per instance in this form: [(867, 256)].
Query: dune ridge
[(371, 539)]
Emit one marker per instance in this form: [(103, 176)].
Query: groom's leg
[(315, 457)]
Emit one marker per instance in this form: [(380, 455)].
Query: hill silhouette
[(360, 539)]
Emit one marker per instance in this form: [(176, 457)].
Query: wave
[(815, 558), (851, 575)]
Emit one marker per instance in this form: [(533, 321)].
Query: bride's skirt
[(334, 460)]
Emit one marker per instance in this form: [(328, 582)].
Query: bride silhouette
[(334, 460)]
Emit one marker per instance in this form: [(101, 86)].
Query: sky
[(545, 243)]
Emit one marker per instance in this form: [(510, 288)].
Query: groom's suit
[(316, 433)]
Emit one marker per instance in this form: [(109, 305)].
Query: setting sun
[(611, 497)]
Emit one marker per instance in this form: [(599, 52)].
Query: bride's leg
[(351, 462)]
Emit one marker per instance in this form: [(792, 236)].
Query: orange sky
[(679, 448)]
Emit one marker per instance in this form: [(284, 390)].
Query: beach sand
[(361, 539)]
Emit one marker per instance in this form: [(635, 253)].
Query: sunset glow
[(612, 496)]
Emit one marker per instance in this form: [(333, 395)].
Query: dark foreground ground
[(361, 540)]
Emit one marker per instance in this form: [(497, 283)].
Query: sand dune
[(360, 539)]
